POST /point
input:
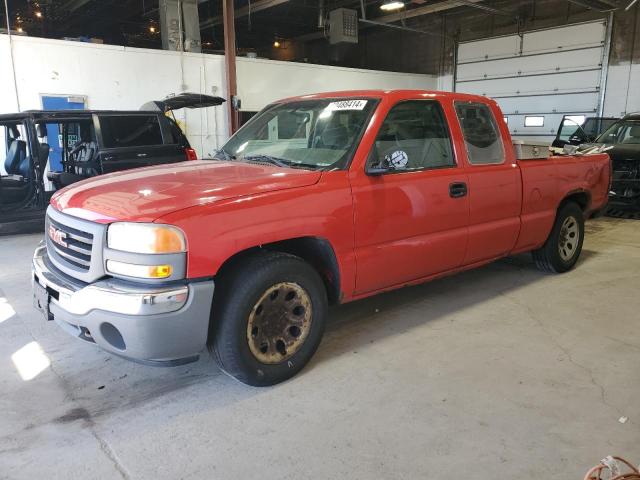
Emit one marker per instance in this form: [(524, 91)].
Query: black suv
[(43, 151)]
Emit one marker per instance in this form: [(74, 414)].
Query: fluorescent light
[(30, 361), (390, 5)]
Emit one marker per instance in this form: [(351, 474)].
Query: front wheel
[(268, 318), (564, 245)]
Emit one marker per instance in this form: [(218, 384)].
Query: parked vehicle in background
[(317, 200), (577, 129), (622, 140), (43, 151)]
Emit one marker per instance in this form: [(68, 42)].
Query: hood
[(625, 152), (145, 194), (620, 151)]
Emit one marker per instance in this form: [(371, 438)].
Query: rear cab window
[(482, 137), (121, 131)]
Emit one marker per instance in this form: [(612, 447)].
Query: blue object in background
[(54, 135)]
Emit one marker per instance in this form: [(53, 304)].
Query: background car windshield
[(624, 132), (310, 133)]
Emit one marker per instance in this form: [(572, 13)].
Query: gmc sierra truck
[(317, 200)]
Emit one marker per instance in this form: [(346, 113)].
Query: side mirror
[(376, 171), (375, 167)]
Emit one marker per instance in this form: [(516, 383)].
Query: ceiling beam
[(240, 12), (387, 20), (426, 10)]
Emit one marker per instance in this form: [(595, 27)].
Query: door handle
[(141, 155), (457, 189)]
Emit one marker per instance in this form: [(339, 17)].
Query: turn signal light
[(139, 271)]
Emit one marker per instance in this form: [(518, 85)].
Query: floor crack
[(564, 350)]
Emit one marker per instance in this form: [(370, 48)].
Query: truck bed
[(545, 181)]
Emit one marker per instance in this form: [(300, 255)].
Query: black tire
[(551, 257), (237, 292)]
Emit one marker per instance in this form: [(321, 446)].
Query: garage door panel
[(564, 38), (554, 63), (558, 71), (553, 84), (571, 37), (517, 126), (488, 49), (563, 103)]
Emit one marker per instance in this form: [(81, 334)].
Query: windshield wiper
[(260, 158)]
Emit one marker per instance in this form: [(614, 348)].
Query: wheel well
[(318, 252), (583, 199)]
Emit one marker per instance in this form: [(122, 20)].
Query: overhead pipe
[(400, 27), (593, 7), (486, 8)]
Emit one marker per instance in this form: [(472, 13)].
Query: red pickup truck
[(318, 200)]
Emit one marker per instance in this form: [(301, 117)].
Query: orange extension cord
[(612, 466)]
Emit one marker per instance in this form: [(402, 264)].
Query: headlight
[(145, 238)]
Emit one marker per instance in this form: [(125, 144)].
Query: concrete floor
[(502, 372)]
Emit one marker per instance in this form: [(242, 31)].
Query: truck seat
[(15, 156)]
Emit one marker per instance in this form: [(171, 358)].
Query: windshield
[(314, 134), (623, 132)]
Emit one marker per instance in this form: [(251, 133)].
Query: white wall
[(262, 81), (116, 77), (623, 90)]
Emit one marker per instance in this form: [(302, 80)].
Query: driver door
[(410, 221)]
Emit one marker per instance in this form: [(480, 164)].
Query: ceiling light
[(390, 5), (38, 14)]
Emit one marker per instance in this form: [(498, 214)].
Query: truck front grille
[(74, 246)]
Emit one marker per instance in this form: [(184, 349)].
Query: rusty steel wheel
[(279, 323), (268, 317)]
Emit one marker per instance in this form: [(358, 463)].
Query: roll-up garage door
[(539, 77)]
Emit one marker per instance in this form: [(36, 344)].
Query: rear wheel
[(268, 318), (564, 245)]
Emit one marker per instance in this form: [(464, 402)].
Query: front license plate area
[(41, 300)]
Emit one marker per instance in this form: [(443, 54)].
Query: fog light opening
[(113, 336)]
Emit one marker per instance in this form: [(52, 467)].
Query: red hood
[(145, 194)]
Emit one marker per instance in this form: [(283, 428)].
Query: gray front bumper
[(156, 325)]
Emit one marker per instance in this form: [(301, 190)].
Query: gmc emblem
[(58, 236)]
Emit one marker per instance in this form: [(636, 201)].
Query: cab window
[(481, 134), (413, 136)]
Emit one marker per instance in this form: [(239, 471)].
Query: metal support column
[(180, 25), (604, 73), (230, 62)]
